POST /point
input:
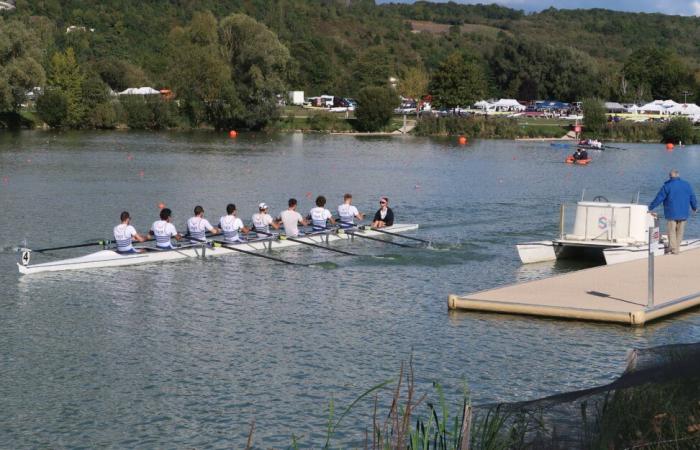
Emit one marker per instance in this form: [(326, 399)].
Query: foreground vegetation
[(228, 61), (653, 407)]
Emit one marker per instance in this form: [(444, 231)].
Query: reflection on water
[(189, 353)]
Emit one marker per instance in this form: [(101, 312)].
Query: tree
[(20, 70), (259, 65), (594, 117), (414, 83), (659, 73), (679, 129), (375, 106), (195, 55), (459, 81), (52, 107), (66, 76)]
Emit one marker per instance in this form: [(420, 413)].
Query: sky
[(679, 7)]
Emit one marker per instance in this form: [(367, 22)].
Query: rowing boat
[(110, 258)]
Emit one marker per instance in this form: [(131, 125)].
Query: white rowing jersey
[(123, 234), (347, 214), (163, 231), (319, 216), (291, 220), (231, 226), (262, 222), (197, 227)]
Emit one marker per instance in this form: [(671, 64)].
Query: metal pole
[(650, 272), (561, 221)]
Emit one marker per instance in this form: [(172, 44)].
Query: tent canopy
[(140, 91)]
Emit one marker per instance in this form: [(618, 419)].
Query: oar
[(396, 234), (615, 148), (313, 244), (103, 243), (354, 233), (259, 255)]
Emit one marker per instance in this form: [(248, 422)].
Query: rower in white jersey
[(163, 230), (124, 233), (232, 226), (347, 213), (320, 216), (198, 226), (291, 219), (262, 221)]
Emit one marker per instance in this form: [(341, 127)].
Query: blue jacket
[(677, 196)]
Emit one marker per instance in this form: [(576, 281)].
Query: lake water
[(188, 354)]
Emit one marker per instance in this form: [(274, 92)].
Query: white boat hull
[(110, 258), (632, 252), (534, 252)]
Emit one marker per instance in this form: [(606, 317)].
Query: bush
[(52, 107), (679, 129), (375, 107), (147, 114), (323, 121), (103, 116)]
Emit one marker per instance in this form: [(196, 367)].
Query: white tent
[(652, 107), (669, 104), (690, 109), (482, 104), (140, 91), (508, 104), (614, 107)]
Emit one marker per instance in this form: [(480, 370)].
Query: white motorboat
[(615, 232), (110, 258)]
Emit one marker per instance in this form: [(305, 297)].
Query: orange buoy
[(232, 133), (462, 140), (161, 205), (669, 146)]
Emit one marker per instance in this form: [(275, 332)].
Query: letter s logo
[(602, 222)]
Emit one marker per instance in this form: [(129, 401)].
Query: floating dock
[(617, 293)]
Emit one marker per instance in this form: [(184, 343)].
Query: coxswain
[(163, 230), (197, 226), (384, 217), (124, 233), (347, 213), (291, 219), (232, 226), (320, 216), (262, 221)]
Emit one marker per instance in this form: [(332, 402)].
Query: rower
[(124, 233), (320, 216), (197, 226), (347, 212), (163, 230), (578, 154), (291, 219), (262, 220), (384, 217), (232, 226)]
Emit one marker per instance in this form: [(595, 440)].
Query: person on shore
[(231, 226), (291, 219), (678, 198), (124, 233), (347, 213), (163, 230), (262, 221), (197, 226), (384, 217), (320, 216)]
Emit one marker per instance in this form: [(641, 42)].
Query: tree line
[(227, 61)]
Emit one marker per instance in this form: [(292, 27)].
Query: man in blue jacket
[(678, 198)]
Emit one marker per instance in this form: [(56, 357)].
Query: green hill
[(338, 46)]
